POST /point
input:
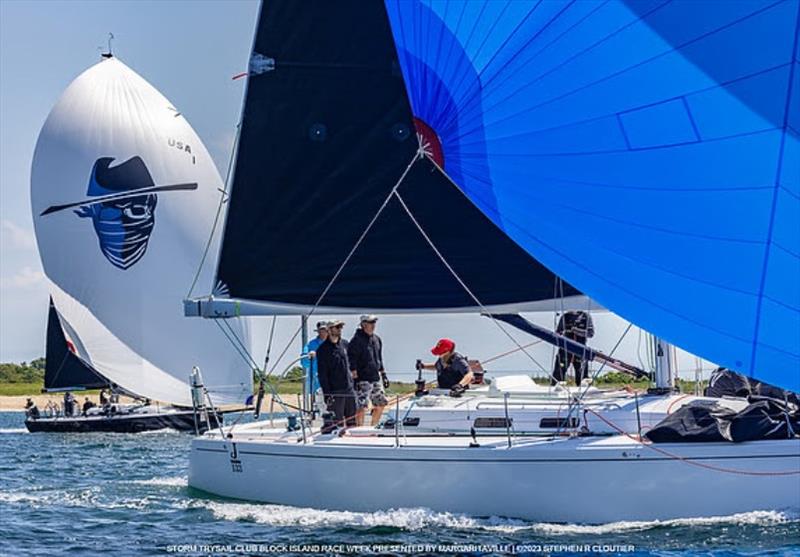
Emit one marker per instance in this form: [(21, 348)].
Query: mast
[(307, 394), (664, 365)]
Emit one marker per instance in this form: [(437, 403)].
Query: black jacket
[(576, 325), (366, 356), (333, 368)]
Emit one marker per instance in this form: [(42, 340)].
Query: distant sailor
[(87, 405), (334, 376), (103, 397), (69, 404), (577, 326), (366, 364), (31, 410), (310, 364), (452, 369)]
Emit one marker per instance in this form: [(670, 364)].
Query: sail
[(123, 196), (645, 151), (63, 369), (326, 135)]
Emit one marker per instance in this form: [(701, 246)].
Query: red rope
[(669, 408), (689, 461)]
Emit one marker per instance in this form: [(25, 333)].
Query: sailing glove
[(457, 390)]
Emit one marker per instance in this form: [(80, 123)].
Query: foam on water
[(420, 519), (178, 481), (13, 430)]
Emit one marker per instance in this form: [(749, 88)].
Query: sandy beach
[(17, 403)]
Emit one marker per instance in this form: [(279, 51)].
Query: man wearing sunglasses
[(333, 368)]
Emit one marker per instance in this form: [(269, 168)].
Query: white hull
[(585, 480)]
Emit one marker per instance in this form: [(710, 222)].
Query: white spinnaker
[(125, 303)]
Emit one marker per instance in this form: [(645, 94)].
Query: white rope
[(417, 156), (461, 282)]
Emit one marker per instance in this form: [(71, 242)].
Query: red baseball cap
[(444, 346)]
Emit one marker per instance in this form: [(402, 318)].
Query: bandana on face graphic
[(123, 211)]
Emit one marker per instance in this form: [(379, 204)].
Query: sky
[(189, 50)]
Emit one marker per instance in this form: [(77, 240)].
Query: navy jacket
[(333, 368), (366, 356)]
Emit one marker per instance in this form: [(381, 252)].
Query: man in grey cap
[(366, 364), (333, 368)]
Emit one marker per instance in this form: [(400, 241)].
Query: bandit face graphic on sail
[(122, 204)]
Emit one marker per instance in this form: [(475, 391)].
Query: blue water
[(83, 494)]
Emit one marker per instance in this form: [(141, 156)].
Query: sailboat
[(414, 157), (123, 195)]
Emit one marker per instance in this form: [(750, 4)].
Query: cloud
[(27, 277), (16, 236)]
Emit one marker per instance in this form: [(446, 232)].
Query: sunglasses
[(336, 327)]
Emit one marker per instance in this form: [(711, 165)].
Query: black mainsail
[(63, 369)]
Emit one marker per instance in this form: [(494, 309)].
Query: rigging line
[(235, 347), (688, 460), (461, 282), (575, 402), (222, 199), (508, 353), (240, 342), (419, 153), (269, 344)]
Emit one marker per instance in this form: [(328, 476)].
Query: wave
[(755, 518), (178, 481), (13, 430), (420, 519)]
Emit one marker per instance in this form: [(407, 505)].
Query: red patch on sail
[(429, 141)]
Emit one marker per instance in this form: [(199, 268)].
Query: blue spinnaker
[(647, 152)]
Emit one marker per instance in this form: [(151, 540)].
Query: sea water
[(127, 494)]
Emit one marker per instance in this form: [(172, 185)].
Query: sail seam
[(778, 171)]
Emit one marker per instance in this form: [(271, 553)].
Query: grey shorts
[(370, 391)]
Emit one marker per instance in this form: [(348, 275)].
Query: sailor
[(103, 397), (310, 364), (69, 404), (31, 410), (452, 369), (87, 405), (365, 353), (575, 325), (335, 378)]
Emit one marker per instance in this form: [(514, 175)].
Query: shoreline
[(16, 403)]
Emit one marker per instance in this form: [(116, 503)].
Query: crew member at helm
[(452, 369)]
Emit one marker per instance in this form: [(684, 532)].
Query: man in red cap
[(452, 369)]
